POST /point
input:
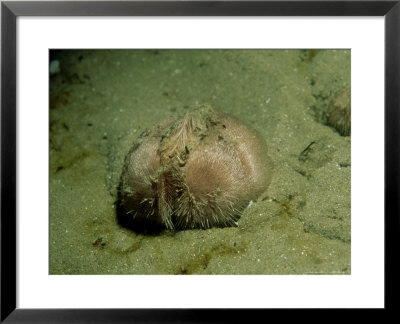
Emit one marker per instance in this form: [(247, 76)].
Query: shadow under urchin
[(196, 171), (140, 225)]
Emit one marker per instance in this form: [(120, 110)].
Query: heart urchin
[(197, 171), (339, 113)]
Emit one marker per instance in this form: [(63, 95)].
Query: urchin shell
[(197, 171), (339, 113)]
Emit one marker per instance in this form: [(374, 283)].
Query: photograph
[(199, 161)]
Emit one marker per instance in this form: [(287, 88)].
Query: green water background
[(103, 99)]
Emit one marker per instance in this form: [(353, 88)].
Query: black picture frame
[(10, 10)]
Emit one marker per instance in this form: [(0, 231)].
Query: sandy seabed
[(102, 100)]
